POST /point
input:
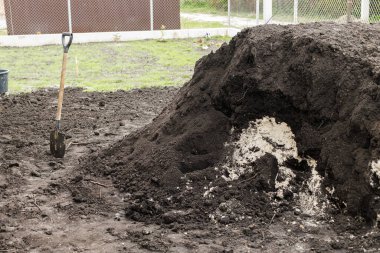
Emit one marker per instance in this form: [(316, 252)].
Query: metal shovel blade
[(57, 144)]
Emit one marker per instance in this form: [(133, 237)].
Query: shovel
[(57, 138)]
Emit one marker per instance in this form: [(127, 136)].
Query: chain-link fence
[(53, 16), (340, 11), (245, 13)]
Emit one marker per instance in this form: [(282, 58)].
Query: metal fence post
[(267, 11), (229, 13), (151, 15), (364, 11), (69, 13), (257, 12), (295, 18), (11, 18), (349, 11)]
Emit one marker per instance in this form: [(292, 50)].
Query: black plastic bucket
[(3, 81)]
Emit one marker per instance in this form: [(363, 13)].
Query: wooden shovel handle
[(61, 87)]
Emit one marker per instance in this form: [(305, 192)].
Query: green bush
[(194, 3), (219, 4), (211, 4)]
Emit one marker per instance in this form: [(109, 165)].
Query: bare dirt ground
[(43, 210)]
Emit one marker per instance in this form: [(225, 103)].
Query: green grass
[(105, 66), (202, 8), (374, 18), (217, 12), (189, 24)]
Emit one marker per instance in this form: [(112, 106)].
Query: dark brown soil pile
[(323, 80)]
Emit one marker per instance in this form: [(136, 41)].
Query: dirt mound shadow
[(192, 163)]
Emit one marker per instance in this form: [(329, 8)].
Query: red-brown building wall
[(51, 16)]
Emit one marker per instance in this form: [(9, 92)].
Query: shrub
[(212, 4)]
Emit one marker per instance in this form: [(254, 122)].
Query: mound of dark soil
[(323, 80)]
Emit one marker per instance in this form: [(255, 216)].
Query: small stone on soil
[(13, 164), (223, 207), (139, 195), (172, 216), (35, 174), (146, 232), (224, 220), (3, 229), (155, 180), (297, 211), (77, 179), (207, 202), (52, 164), (336, 245)]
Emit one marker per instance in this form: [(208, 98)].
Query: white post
[(11, 18), (151, 15), (229, 13), (69, 13), (257, 12), (295, 18), (267, 11), (364, 13)]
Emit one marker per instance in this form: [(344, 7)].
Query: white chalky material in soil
[(276, 138), (310, 202), (253, 144), (375, 169)]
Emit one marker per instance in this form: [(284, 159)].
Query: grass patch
[(374, 18), (202, 8), (106, 66), (189, 24), (208, 9)]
